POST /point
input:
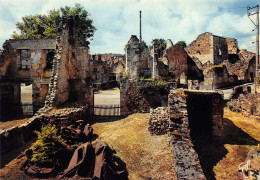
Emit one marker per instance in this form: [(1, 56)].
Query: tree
[(143, 45), (159, 46), (181, 43), (45, 26), (48, 145)]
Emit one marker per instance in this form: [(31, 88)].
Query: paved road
[(228, 90), (107, 97), (26, 93)]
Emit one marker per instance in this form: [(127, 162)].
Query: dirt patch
[(146, 156), (227, 168), (220, 160), (238, 150)]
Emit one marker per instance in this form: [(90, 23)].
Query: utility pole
[(257, 38), (140, 28)]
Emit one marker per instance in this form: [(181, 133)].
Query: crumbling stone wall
[(133, 63), (220, 49), (243, 66), (174, 119), (177, 60), (232, 45), (105, 72), (202, 48), (131, 100), (24, 61), (211, 52), (18, 136), (184, 121), (205, 109), (70, 81)]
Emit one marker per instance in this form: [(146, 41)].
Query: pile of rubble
[(250, 169), (89, 160), (248, 104), (159, 122)]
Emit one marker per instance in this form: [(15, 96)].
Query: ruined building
[(213, 55), (209, 62), (57, 67), (106, 70)]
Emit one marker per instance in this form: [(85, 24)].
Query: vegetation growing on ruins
[(47, 146), (159, 46), (181, 43), (45, 26), (149, 86)]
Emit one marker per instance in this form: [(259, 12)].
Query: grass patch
[(146, 156), (221, 160)]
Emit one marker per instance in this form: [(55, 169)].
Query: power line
[(257, 38)]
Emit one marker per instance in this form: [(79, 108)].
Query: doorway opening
[(26, 99)]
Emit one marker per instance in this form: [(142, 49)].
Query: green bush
[(47, 146), (150, 86)]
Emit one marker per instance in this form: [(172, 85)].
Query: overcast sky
[(117, 20)]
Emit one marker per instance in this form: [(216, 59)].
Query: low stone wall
[(133, 101), (174, 119), (17, 136), (187, 162)]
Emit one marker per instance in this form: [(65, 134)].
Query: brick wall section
[(177, 60)]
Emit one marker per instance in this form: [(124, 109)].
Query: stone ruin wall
[(242, 67), (175, 121), (21, 135), (211, 53), (202, 48), (220, 49), (69, 76), (70, 79), (177, 60), (131, 100), (232, 45), (133, 65), (24, 61)]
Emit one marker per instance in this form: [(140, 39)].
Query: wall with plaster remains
[(25, 61), (70, 84)]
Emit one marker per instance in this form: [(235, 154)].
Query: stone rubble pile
[(159, 121)]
